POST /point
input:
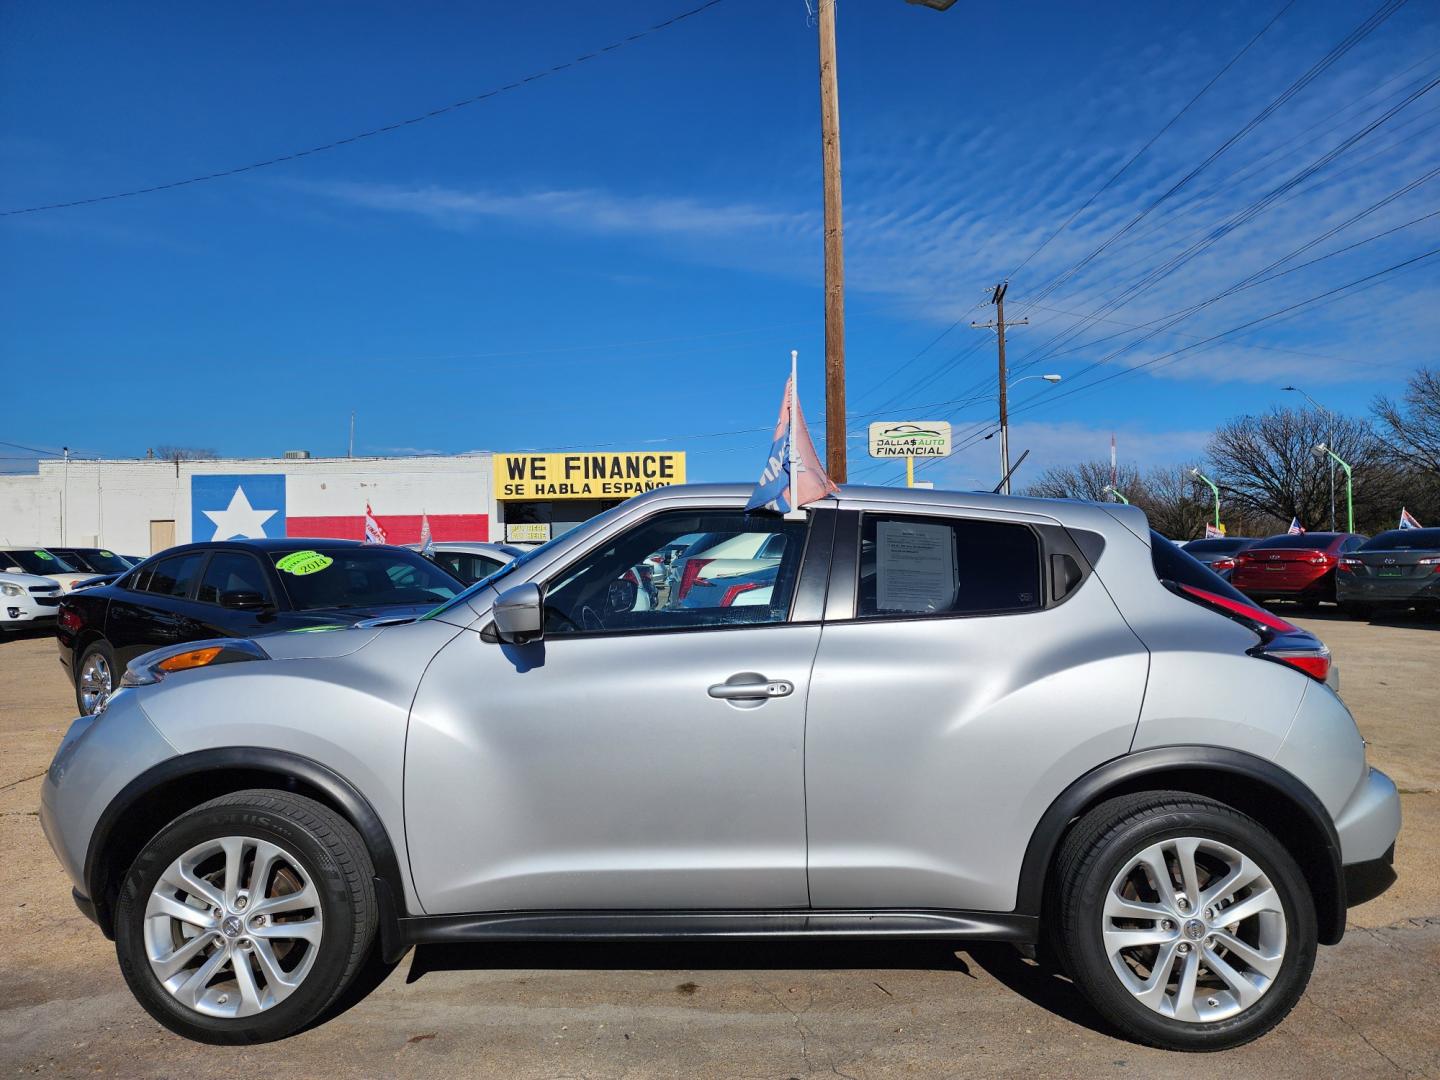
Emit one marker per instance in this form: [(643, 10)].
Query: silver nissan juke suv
[(898, 713)]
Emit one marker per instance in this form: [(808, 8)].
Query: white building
[(140, 507)]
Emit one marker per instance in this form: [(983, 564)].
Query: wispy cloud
[(590, 210)]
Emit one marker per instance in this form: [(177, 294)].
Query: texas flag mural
[(236, 506)]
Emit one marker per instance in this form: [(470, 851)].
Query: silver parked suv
[(950, 715)]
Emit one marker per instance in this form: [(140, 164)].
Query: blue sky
[(623, 254)]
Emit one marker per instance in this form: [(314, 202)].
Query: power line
[(386, 129), (1151, 141)]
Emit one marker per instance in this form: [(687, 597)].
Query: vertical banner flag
[(1407, 520), (1295, 527), (374, 534), (427, 542), (1213, 532), (792, 476)]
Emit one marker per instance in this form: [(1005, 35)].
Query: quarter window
[(737, 570), (946, 566)]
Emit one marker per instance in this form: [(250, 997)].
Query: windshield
[(1405, 540), (38, 561), (1298, 541), (486, 582), (101, 562), (331, 578)]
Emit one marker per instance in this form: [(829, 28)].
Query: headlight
[(12, 590), (154, 666)]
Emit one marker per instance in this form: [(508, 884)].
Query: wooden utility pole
[(998, 324), (834, 249)]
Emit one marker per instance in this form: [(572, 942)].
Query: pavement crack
[(1365, 1039), (22, 780)]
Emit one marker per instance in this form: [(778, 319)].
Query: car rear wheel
[(1186, 923), (245, 918), (95, 678)]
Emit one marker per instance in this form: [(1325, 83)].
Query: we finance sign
[(585, 476)]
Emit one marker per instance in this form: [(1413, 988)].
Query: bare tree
[(1268, 466), (185, 453), (1087, 480), (1412, 430), (1173, 502)]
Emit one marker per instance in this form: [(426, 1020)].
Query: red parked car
[(1298, 566)]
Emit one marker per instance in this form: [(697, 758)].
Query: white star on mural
[(239, 519)]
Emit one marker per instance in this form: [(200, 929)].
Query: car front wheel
[(245, 918), (1186, 923), (95, 678)]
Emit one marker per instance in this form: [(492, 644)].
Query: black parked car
[(95, 560), (237, 588), (1400, 568), (1218, 553)]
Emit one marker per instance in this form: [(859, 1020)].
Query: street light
[(1111, 489), (1331, 417), (1321, 448), (1201, 476), (1005, 430)]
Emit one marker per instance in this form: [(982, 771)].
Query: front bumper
[(1370, 822), (19, 613)]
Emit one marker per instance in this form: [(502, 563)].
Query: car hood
[(333, 632)]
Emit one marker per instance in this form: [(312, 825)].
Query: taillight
[(1248, 612), (1321, 559), (1432, 562), (1313, 662), (70, 619), (1221, 565), (1347, 566), (689, 575), (735, 590)]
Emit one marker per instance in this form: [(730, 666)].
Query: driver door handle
[(748, 686)]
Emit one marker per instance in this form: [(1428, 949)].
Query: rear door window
[(232, 571), (940, 566), (176, 575)]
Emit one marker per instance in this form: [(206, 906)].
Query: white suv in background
[(27, 600), (20, 559)]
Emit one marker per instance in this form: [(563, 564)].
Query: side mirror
[(519, 614), (243, 600)]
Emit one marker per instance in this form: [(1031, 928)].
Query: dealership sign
[(585, 476), (910, 439)]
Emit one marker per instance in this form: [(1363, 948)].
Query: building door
[(162, 535)]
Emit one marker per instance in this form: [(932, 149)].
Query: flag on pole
[(1295, 527), (427, 542), (793, 476), (1407, 520), (1214, 532), (374, 534)]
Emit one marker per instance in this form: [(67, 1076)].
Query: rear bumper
[(1382, 591), (1260, 588)]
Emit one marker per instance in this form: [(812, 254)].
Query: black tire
[(334, 857), (1357, 611), (101, 648), (1096, 850)]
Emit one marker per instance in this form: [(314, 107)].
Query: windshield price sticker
[(917, 438), (44, 555), (301, 563)]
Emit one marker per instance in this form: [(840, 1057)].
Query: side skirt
[(673, 925)]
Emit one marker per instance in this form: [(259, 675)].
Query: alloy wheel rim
[(95, 683), (1194, 929), (233, 926)]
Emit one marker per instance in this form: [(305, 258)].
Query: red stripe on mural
[(399, 528)]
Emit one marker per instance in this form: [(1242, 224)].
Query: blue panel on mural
[(245, 505)]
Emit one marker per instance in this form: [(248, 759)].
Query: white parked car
[(27, 601), (470, 560), (21, 559), (714, 556)]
